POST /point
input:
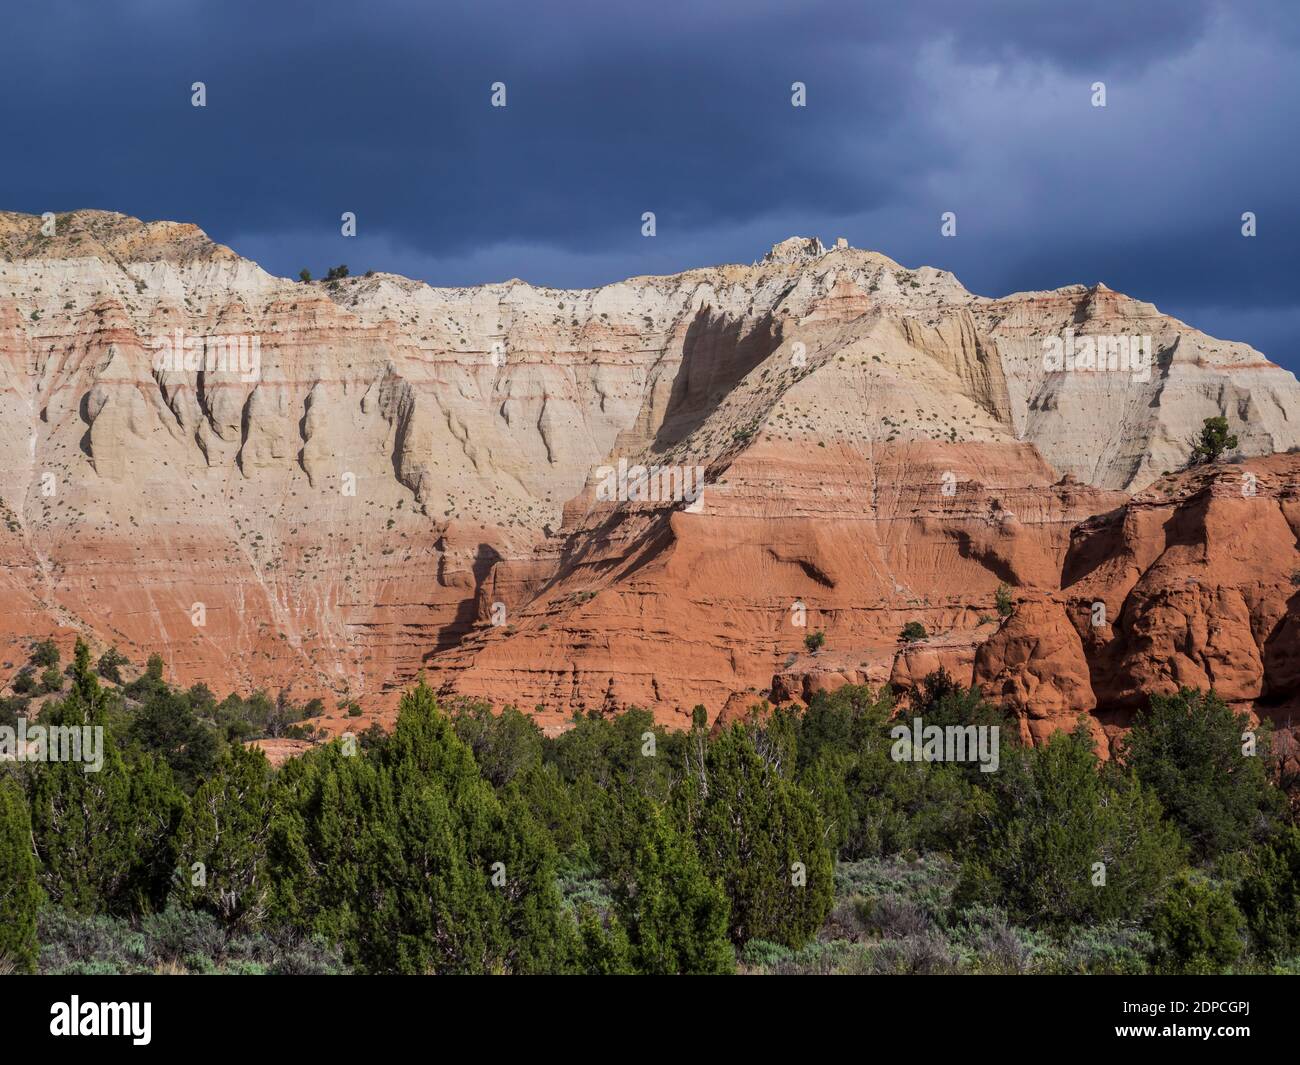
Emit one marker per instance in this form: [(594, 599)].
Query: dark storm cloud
[(684, 109)]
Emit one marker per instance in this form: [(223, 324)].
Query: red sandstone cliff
[(410, 481)]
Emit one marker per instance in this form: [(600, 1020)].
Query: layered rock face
[(330, 487), (1194, 583)]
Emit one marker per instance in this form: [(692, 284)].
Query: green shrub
[(675, 916), (174, 941), (19, 892), (1188, 748), (912, 631), (1069, 844), (406, 856), (1107, 949), (1197, 927), (110, 665), (1002, 597), (1269, 896), (45, 655), (761, 836), (504, 744), (1213, 441)]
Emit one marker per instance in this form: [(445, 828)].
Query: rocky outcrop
[(1035, 666), (1194, 582), (1207, 592)]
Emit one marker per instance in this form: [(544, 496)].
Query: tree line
[(466, 841)]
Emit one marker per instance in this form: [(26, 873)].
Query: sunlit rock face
[(331, 487)]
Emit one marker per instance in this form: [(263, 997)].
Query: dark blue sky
[(382, 107)]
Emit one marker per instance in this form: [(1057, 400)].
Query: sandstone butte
[(880, 446)]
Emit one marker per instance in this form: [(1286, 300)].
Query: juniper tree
[(1194, 751), (874, 806), (103, 839), (110, 665), (503, 744), (564, 810), (762, 838), (45, 654), (675, 917), (407, 856), (604, 949), (613, 751), (19, 891), (1213, 441), (1067, 843), (221, 842), (1197, 927), (912, 631), (164, 724), (1269, 896)]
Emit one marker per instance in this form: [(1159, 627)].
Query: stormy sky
[(914, 108)]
